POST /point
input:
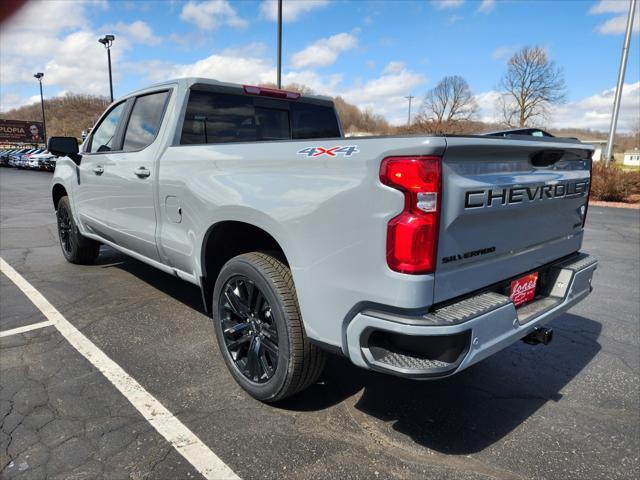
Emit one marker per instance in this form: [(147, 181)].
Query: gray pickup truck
[(416, 256)]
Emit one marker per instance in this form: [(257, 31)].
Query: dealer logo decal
[(346, 151)]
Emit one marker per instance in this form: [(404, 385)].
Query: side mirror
[(65, 147)]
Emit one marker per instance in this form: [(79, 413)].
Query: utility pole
[(409, 97), (621, 71), (279, 82), (107, 41), (39, 76)]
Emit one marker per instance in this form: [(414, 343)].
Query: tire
[(75, 248), (254, 308)]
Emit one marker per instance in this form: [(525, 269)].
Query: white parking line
[(177, 434), (26, 328)]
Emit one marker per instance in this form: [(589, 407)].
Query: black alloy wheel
[(249, 329), (259, 327), (75, 247), (64, 231)]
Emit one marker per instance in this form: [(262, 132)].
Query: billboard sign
[(20, 131)]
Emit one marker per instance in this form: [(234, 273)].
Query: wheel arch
[(227, 239), (57, 192)]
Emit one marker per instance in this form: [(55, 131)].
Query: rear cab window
[(219, 117)]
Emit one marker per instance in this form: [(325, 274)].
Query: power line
[(409, 97)]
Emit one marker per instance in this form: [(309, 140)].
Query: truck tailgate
[(508, 206)]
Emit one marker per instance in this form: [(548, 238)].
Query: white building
[(632, 158), (600, 148)]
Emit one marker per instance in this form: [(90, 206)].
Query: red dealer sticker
[(523, 289)]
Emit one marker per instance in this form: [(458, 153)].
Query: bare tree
[(449, 102), (531, 84)]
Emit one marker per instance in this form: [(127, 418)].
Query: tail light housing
[(412, 236)]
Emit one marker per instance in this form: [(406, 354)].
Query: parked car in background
[(15, 157), (26, 158), (43, 159), (50, 164)]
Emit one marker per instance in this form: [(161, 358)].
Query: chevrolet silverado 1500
[(416, 256)]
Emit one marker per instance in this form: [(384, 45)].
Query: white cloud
[(11, 100), (595, 111), (453, 19), (609, 6), (225, 68), (291, 10), (385, 95), (137, 31), (67, 50), (324, 51), (486, 102), (617, 25), (487, 5), (394, 67), (209, 15), (501, 52), (442, 4)]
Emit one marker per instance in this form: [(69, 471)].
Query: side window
[(102, 140), (144, 121), (217, 118), (222, 118), (314, 121)]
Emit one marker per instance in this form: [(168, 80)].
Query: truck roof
[(187, 82)]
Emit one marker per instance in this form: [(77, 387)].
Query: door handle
[(142, 172), (98, 169)]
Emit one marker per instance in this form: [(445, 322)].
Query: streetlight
[(279, 82), (39, 76), (107, 41)]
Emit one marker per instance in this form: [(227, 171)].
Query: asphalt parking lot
[(568, 410)]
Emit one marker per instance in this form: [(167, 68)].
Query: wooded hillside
[(66, 116)]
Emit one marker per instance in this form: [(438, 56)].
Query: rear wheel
[(259, 328), (75, 247)]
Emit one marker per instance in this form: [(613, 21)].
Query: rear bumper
[(452, 338)]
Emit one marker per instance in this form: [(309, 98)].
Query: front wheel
[(75, 248), (259, 328)]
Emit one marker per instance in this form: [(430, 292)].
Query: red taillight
[(412, 236), (270, 92)]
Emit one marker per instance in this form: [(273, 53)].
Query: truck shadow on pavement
[(459, 415), (472, 410)]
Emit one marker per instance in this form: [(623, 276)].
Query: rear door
[(508, 207)]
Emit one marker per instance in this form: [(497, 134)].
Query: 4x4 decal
[(344, 150)]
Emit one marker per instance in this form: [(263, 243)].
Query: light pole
[(39, 76), (623, 67), (279, 43), (409, 97), (107, 41)]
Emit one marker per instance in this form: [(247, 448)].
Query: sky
[(372, 53)]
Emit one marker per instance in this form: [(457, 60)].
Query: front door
[(95, 188), (132, 175)]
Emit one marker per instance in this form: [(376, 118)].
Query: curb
[(598, 203)]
